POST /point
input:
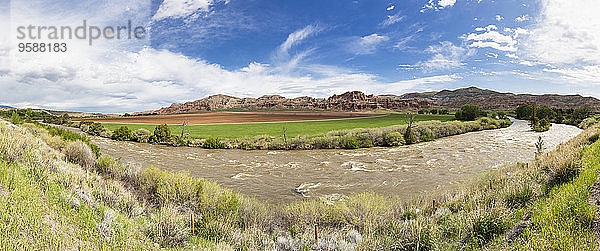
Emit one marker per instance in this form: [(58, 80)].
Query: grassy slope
[(293, 128), (37, 189)]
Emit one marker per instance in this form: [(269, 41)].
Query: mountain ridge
[(359, 101)]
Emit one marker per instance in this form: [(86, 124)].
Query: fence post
[(316, 233)]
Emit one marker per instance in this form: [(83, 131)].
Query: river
[(406, 171)]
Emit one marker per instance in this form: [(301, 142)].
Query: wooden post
[(192, 220), (316, 233), (433, 212)]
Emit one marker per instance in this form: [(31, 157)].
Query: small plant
[(486, 228), (539, 146)]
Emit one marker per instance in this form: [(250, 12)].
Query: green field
[(293, 128)]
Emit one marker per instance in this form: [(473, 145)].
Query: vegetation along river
[(407, 171)]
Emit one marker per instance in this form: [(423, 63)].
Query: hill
[(493, 100), (359, 101)]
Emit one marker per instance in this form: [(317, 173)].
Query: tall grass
[(54, 204)]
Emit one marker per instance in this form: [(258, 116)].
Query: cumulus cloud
[(566, 38), (493, 39), (522, 18)]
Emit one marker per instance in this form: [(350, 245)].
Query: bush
[(214, 143), (79, 153), (167, 227), (393, 139), (96, 129), (162, 133), (586, 123), (468, 113), (141, 135), (350, 143), (122, 133), (409, 136), (15, 118)]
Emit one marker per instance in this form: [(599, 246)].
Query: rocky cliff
[(358, 101)]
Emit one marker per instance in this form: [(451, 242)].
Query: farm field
[(293, 128)]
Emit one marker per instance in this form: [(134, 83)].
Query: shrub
[(105, 133), (586, 123), (122, 133), (95, 129), (79, 153), (214, 143), (162, 133), (393, 139), (141, 135), (409, 136), (15, 118), (167, 227), (350, 143)]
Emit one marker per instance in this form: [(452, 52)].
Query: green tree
[(15, 118), (524, 112), (162, 133), (122, 133), (580, 114), (468, 112), (96, 129), (545, 112)]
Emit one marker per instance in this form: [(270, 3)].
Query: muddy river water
[(407, 171)]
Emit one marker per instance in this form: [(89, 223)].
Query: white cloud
[(438, 5), (297, 36), (492, 39), (446, 3), (390, 8), (182, 8), (566, 37), (446, 56), (499, 18), (396, 18), (367, 44), (522, 18)]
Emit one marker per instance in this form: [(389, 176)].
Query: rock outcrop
[(358, 101)]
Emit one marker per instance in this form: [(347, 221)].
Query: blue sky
[(251, 48)]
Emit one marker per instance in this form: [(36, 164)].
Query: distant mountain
[(349, 101), (493, 100), (6, 107), (358, 101)]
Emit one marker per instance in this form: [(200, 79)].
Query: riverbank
[(396, 135), (50, 203)]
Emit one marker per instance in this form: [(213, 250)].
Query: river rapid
[(406, 171)]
